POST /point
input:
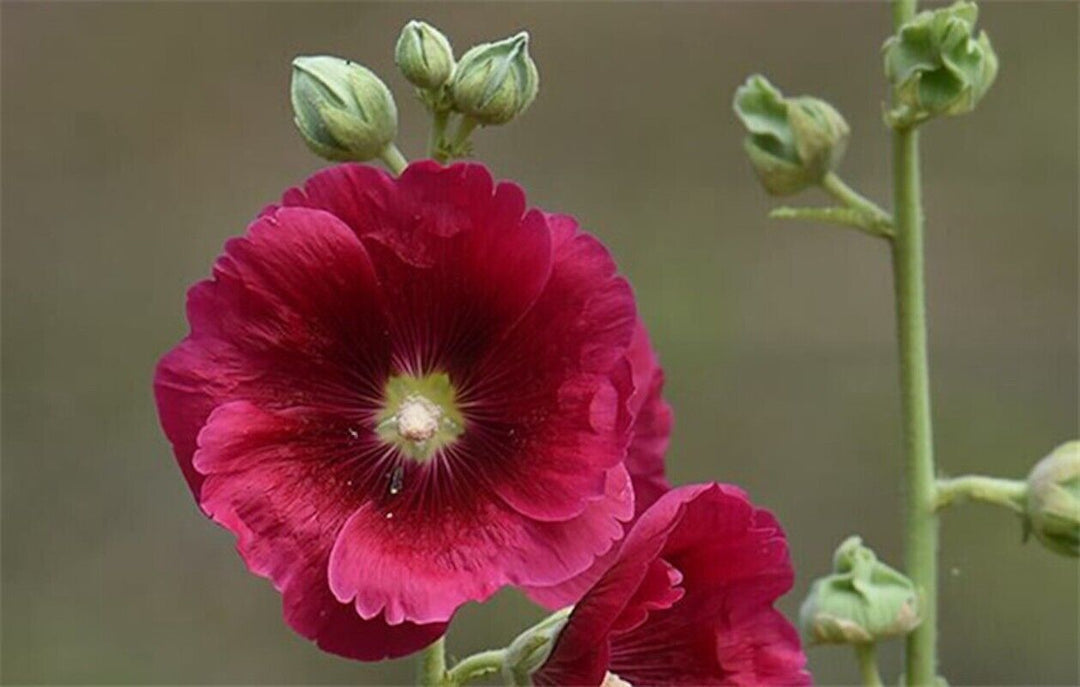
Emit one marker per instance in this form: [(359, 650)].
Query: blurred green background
[(138, 137)]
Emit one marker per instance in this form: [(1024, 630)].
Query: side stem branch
[(1007, 493)]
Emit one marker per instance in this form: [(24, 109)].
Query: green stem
[(476, 666), (432, 671), (921, 535), (844, 217), (393, 159), (1007, 493), (461, 136), (866, 654), (436, 143), (879, 219)]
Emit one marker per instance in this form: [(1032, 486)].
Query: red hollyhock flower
[(403, 394), (644, 462), (687, 602)]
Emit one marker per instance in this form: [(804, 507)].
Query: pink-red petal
[(292, 316), (729, 561), (644, 460), (266, 482)]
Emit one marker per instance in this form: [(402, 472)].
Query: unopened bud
[(527, 653), (343, 111), (937, 66), (863, 601), (424, 56), (792, 142), (495, 82), (1053, 505)]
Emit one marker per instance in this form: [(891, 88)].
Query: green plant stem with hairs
[(437, 138), (432, 672), (1006, 493), (921, 528), (393, 159)]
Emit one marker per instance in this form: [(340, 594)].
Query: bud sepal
[(938, 66), (424, 56), (344, 111), (793, 143), (495, 82), (1053, 503), (861, 602)]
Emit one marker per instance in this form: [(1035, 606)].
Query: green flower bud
[(863, 601), (424, 55), (793, 142), (1053, 504), (495, 82), (343, 111), (938, 66), (531, 648)]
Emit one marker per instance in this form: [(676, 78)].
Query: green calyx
[(793, 143), (529, 650), (861, 602), (495, 82), (420, 415), (343, 110), (1053, 504), (424, 56), (938, 66)]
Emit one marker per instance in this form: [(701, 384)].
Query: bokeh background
[(137, 137)]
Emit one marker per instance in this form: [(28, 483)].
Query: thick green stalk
[(921, 524), (921, 535)]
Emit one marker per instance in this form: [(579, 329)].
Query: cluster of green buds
[(861, 602), (938, 66), (1053, 500), (793, 143), (492, 84), (345, 112)]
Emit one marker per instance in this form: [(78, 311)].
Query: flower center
[(419, 415), (418, 419)]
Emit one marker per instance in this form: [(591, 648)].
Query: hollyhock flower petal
[(290, 411), (688, 601), (653, 420), (644, 460), (269, 327), (281, 503)]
